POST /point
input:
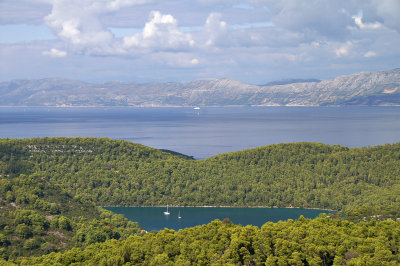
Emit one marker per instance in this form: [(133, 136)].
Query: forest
[(37, 218), (51, 190), (322, 241)]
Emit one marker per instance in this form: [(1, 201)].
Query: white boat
[(166, 213), (196, 108), (179, 215)]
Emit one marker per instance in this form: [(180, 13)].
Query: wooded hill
[(120, 173), (322, 241), (37, 218), (48, 188)]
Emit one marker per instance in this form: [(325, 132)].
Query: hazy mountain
[(376, 88), (289, 81)]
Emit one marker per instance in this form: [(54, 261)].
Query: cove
[(153, 218)]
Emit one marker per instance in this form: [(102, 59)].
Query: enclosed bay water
[(153, 218)]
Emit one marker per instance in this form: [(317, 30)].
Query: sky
[(254, 41)]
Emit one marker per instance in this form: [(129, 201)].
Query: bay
[(210, 130), (153, 218)]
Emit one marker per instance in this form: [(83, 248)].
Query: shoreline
[(221, 206)]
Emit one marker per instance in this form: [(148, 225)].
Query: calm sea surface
[(153, 218), (210, 130)]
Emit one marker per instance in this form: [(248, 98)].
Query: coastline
[(220, 206)]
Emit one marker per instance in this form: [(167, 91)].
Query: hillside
[(37, 217), (376, 88), (116, 172), (322, 241), (50, 186)]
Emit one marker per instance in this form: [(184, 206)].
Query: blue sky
[(253, 41)]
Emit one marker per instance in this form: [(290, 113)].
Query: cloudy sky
[(253, 41)]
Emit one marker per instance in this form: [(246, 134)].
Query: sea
[(210, 130)]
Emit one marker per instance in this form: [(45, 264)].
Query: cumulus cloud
[(216, 29), (55, 53), (229, 37), (77, 22), (161, 32), (288, 23)]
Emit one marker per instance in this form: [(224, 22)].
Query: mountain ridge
[(363, 88), (289, 81)]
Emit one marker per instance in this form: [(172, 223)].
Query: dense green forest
[(37, 218), (50, 189), (322, 241), (115, 172)]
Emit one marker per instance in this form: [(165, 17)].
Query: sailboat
[(166, 213), (179, 215)]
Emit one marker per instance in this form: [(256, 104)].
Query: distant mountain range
[(290, 81), (373, 88)]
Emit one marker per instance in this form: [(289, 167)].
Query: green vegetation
[(113, 172), (322, 241), (49, 188), (37, 218)]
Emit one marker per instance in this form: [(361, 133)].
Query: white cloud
[(216, 37), (55, 53), (161, 32), (374, 25), (344, 49), (216, 29), (77, 22), (78, 25)]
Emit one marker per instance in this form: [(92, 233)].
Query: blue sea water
[(210, 130)]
